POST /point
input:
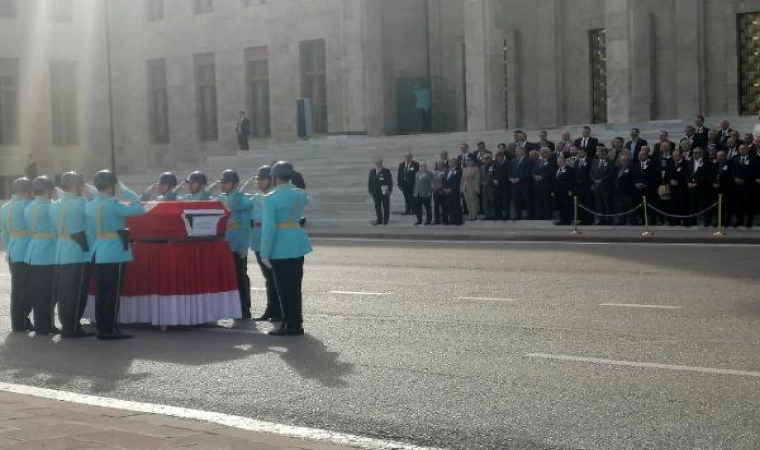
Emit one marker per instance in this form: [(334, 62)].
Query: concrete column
[(373, 90), (513, 46), (629, 67), (548, 99), (689, 22), (484, 43)]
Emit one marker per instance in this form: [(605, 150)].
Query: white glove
[(58, 192), (267, 263), (212, 187)]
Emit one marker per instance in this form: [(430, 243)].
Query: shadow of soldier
[(312, 359), (104, 367)]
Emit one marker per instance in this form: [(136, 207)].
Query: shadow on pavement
[(106, 366)]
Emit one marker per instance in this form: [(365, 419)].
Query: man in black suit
[(635, 144), (676, 175), (407, 173), (31, 168), (690, 136), (587, 142), (713, 139), (544, 141), (646, 180), (564, 186), (732, 149), (543, 174), (743, 171), (723, 184), (452, 181), (699, 186), (725, 131), (380, 188), (700, 131), (526, 144), (602, 175), (625, 191), (503, 196), (243, 130), (583, 186), (522, 182), (664, 137)]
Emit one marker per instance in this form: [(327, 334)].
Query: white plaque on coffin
[(202, 222)]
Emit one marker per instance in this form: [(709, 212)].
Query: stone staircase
[(335, 167)]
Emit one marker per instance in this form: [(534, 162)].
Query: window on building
[(314, 80), (598, 61), (158, 102), (8, 101), (205, 80), (63, 100), (60, 10), (257, 73), (154, 10), (7, 9), (749, 63), (204, 6)]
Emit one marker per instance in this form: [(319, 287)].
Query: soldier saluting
[(72, 277), (196, 184), (106, 220), (15, 233), (165, 188), (284, 244)]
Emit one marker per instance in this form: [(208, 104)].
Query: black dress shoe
[(79, 334), (28, 325), (417, 223), (377, 223), (115, 336), (264, 318), (287, 331)]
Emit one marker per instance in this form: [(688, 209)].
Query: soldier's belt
[(289, 225), (18, 234), (42, 236), (109, 236)]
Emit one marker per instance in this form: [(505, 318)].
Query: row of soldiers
[(679, 185), (57, 238)]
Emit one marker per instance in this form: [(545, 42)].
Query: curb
[(526, 237)]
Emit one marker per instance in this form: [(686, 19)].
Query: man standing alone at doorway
[(243, 130)]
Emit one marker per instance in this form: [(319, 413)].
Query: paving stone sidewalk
[(31, 423)]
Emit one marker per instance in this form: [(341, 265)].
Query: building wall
[(33, 39)]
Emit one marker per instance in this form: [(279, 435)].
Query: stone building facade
[(181, 69)]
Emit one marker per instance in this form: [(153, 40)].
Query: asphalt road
[(472, 346)]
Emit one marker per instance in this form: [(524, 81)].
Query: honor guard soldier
[(40, 255), (106, 220), (166, 185), (72, 277), (238, 233), (273, 311), (196, 184), (15, 233), (284, 244)]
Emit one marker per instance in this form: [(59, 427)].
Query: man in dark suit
[(713, 139), (587, 142), (725, 131), (690, 136), (646, 180), (583, 183), (602, 175), (407, 173), (243, 130), (743, 170), (521, 184), (380, 188), (635, 144), (700, 131), (544, 141), (699, 186), (625, 192), (503, 196), (31, 168), (676, 175), (723, 184), (452, 181), (664, 137), (732, 149), (564, 186), (543, 174)]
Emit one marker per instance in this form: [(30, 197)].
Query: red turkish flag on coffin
[(179, 220)]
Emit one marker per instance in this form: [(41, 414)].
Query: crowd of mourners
[(625, 183)]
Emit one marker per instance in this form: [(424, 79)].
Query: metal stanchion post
[(646, 231), (719, 231), (575, 216)]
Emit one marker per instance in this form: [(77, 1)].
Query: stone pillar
[(689, 15), (549, 98), (484, 44), (629, 66), (373, 81)]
